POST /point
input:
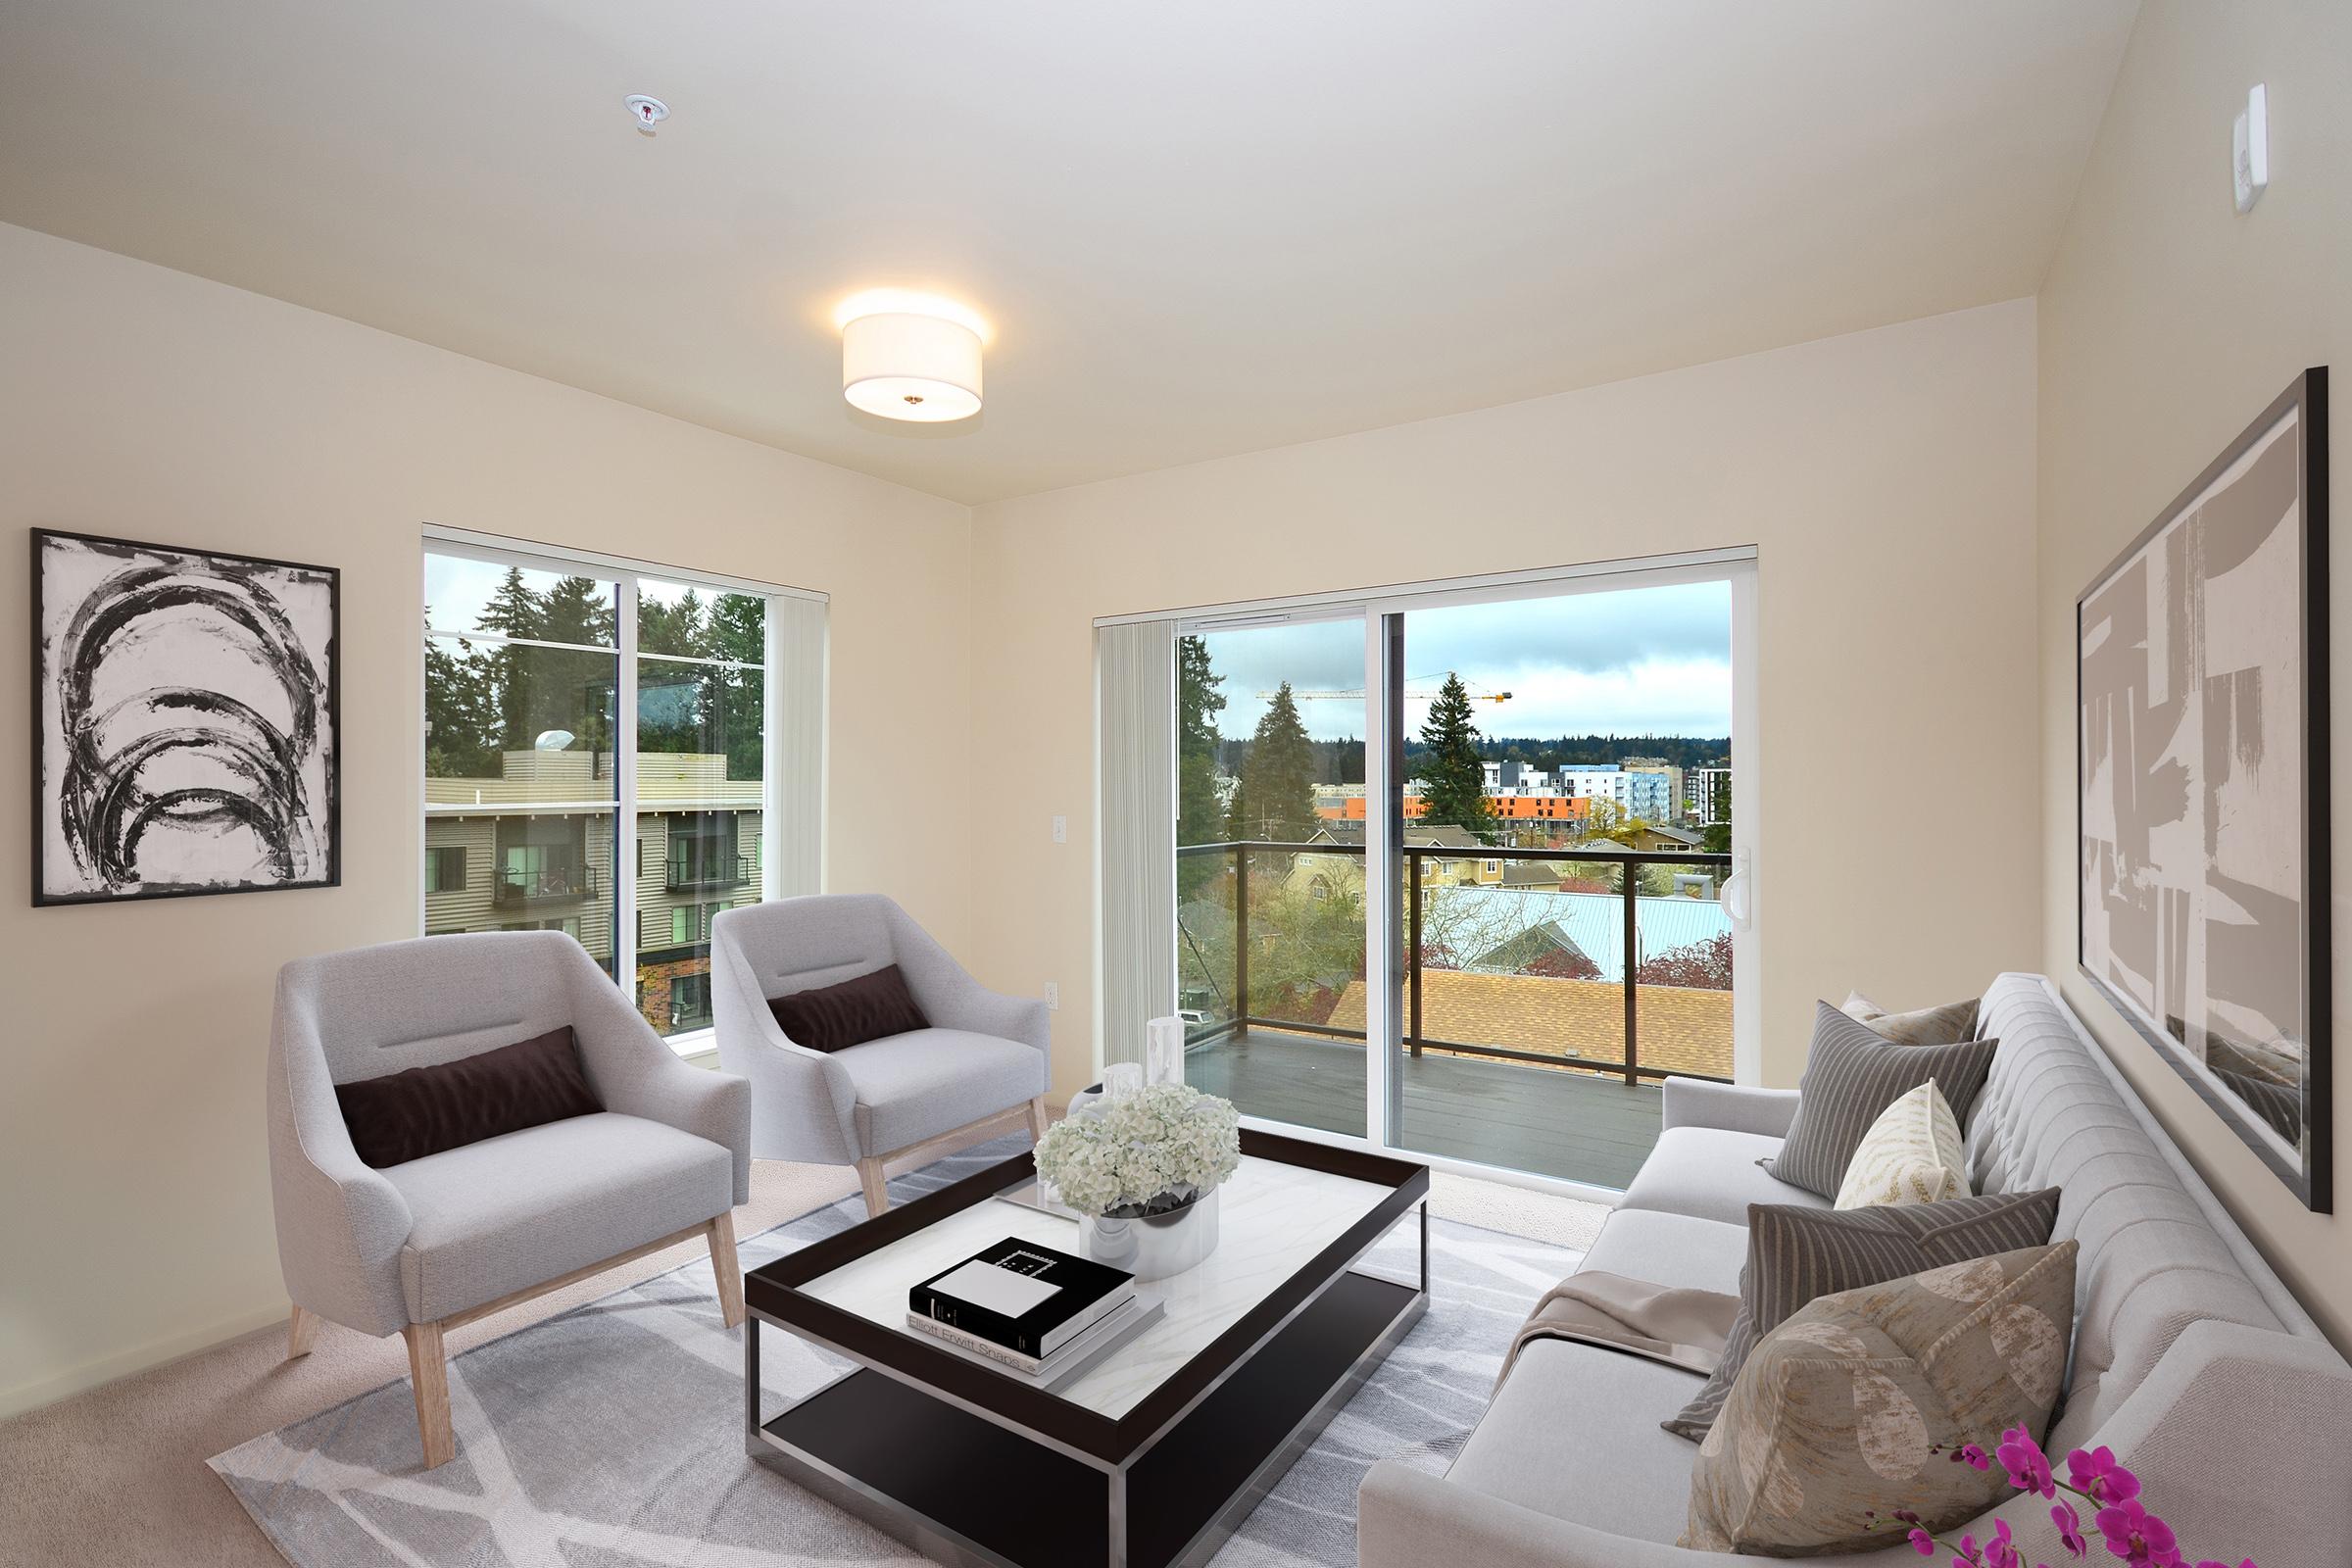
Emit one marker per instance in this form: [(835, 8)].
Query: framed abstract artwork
[(2201, 761), (185, 714)]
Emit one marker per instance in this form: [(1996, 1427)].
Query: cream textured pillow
[(1928, 1026), (1839, 1412), (1911, 1154)]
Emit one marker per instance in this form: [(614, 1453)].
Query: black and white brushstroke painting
[(185, 723)]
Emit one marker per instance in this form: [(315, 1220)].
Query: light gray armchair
[(981, 1069), (423, 1246)]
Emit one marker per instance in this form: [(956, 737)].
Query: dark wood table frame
[(977, 1470)]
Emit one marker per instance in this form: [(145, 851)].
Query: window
[(689, 1000), (444, 870), (580, 709)]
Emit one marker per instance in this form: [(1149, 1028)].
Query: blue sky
[(1643, 660)]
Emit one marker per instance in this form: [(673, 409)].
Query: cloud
[(1632, 662)]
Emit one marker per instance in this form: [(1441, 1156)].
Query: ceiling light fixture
[(910, 355)]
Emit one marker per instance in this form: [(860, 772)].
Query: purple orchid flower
[(2028, 1466), (2097, 1476), (2138, 1535), (2070, 1529)]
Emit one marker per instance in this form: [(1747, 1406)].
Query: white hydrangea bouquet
[(1148, 1152)]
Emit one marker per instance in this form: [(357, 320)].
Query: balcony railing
[(1423, 867), (699, 872), (518, 887)]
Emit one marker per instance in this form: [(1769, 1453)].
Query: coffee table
[(1150, 1457)]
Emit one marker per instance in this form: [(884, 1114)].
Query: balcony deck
[(1572, 1125)]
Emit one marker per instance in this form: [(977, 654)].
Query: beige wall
[(145, 403), (2168, 322), (1886, 480)]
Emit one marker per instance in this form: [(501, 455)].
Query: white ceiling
[(1199, 228)]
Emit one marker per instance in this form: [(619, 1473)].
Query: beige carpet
[(115, 1477)]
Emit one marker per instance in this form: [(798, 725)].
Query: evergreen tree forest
[(486, 699)]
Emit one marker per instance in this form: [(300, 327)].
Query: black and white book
[(1022, 1297), (1073, 1357)]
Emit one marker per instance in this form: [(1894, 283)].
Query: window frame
[(624, 574)]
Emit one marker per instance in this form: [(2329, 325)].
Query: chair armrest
[(637, 1074), (1729, 1107), (340, 1223), (953, 1000)]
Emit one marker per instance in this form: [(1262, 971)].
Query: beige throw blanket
[(1679, 1327)]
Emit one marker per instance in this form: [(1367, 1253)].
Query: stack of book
[(1033, 1310)]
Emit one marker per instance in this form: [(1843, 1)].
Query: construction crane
[(1411, 691)]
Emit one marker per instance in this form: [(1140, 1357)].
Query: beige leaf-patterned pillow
[(1911, 1154), (1928, 1026), (1839, 1410)]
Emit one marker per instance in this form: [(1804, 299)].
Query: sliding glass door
[(1460, 871), (1563, 938)]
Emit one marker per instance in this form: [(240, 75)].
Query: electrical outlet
[(1053, 995), (1062, 830)]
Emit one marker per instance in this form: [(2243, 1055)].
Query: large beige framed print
[(2201, 736)]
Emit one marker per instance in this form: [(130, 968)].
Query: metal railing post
[(1412, 952), (1629, 881), (1241, 935)]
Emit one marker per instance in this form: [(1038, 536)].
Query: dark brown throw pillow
[(870, 1007), (1796, 1254), (1853, 1074), (425, 1111)]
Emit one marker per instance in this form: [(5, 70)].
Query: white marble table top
[(1273, 1219)]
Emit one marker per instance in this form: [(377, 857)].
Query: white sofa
[(2190, 1359)]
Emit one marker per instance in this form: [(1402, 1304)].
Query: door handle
[(1737, 902)]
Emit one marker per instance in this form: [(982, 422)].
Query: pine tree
[(515, 610), (1197, 703), (1453, 780), (1277, 796)]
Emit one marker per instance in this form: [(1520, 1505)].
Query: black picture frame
[(43, 676), (2306, 1165)]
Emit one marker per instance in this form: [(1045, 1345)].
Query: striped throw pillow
[(1911, 1154), (1851, 1076), (1797, 1254)]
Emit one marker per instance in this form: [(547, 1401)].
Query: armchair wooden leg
[(728, 1268), (877, 1191), (1037, 1120), (428, 1377), (302, 1332)]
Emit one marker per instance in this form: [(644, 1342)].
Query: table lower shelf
[(964, 1491)]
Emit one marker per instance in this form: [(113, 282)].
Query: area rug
[(610, 1437)]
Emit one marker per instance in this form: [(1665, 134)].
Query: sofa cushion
[(1852, 1075), (1850, 1409), (1676, 1251), (919, 1085), (1796, 1254), (418, 1112), (849, 1012), (513, 1211), (1709, 1173), (1564, 1437)]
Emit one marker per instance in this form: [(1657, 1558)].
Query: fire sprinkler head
[(647, 112)]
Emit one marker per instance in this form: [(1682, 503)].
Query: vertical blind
[(796, 664), (1135, 682)]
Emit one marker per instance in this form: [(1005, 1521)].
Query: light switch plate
[(2250, 150)]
